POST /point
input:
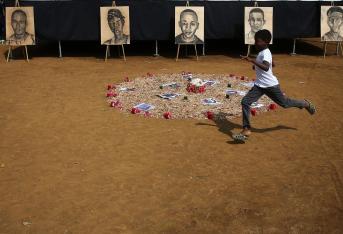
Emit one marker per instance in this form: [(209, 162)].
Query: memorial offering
[(184, 95)]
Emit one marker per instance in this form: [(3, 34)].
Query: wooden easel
[(10, 47), (178, 45), (338, 46), (249, 46), (293, 51), (2, 41), (108, 46)]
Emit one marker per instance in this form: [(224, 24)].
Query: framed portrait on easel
[(331, 23), (20, 26), (255, 19), (115, 25), (189, 25)]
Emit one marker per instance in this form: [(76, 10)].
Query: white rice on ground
[(148, 87)]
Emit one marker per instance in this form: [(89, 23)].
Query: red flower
[(114, 94), (272, 106), (135, 111), (113, 104), (209, 115), (109, 87), (253, 112), (242, 77), (126, 79), (109, 94), (167, 115)]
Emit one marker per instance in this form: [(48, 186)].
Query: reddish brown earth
[(70, 164)]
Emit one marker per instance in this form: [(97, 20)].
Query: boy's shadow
[(226, 126)]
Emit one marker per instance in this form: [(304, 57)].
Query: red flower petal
[(167, 115), (135, 111), (209, 115), (272, 106)]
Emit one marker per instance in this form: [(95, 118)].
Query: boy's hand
[(246, 58)]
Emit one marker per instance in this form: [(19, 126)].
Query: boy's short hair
[(334, 9), (264, 35), (256, 10), (189, 11), (115, 13)]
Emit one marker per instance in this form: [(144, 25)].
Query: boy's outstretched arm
[(264, 65)]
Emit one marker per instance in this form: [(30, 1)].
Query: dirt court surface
[(70, 164)]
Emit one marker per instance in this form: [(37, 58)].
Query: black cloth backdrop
[(154, 19)]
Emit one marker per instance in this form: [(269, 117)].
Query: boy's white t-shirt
[(265, 79)]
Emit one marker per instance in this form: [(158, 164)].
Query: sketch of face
[(335, 20), (189, 24), (256, 21), (116, 24), (18, 23)]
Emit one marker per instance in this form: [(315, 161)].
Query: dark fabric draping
[(154, 19)]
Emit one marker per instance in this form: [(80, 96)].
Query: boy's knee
[(285, 104)]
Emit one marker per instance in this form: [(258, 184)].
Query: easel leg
[(156, 49), (27, 54), (196, 52), (9, 52), (59, 49), (177, 53), (203, 49), (248, 53), (106, 53), (340, 45), (337, 49), (293, 51), (122, 47), (325, 44)]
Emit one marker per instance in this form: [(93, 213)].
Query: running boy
[(266, 83)]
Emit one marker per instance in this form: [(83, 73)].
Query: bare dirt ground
[(70, 164)]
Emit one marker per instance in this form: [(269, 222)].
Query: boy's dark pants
[(273, 93)]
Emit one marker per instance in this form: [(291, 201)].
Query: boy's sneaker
[(310, 108)]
